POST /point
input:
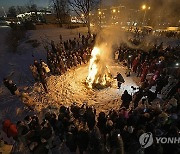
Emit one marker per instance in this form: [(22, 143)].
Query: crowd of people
[(166, 33), (81, 129), (157, 60), (171, 32), (62, 57)]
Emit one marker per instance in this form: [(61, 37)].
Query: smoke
[(112, 35), (165, 11), (162, 11), (107, 40)]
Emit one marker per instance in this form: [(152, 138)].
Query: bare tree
[(20, 9), (32, 8), (12, 11), (83, 8), (62, 10)]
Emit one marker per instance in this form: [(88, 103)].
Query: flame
[(98, 71)]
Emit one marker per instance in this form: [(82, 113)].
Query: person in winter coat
[(62, 65), (83, 140), (11, 86), (135, 64), (84, 57), (144, 73), (79, 59), (43, 81), (115, 142), (128, 72), (95, 141), (126, 99), (71, 138), (38, 66), (44, 66), (139, 70), (53, 47), (10, 129), (102, 123), (75, 60), (34, 72), (120, 80)]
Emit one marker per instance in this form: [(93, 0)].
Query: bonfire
[(99, 75)]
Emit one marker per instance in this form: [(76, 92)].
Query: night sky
[(7, 3), (44, 3), (131, 4)]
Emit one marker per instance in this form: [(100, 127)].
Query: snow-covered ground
[(16, 66), (68, 88)]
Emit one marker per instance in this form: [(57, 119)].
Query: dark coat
[(12, 87), (126, 99), (83, 139), (120, 78)]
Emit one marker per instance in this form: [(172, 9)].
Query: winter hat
[(147, 115), (71, 128), (28, 119), (130, 129), (81, 112), (173, 102), (163, 117), (109, 123), (174, 116)]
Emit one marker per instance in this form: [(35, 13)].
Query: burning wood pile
[(99, 76)]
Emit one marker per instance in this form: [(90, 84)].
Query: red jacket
[(10, 129)]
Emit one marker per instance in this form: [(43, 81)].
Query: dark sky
[(7, 3), (132, 4)]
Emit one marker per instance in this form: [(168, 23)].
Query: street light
[(114, 10), (144, 7), (99, 12)]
